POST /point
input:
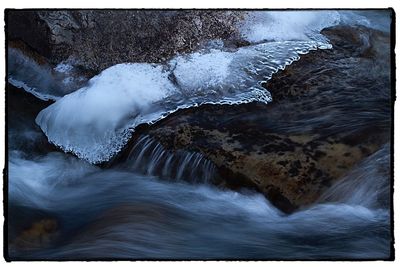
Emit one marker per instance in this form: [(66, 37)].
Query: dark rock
[(30, 229), (27, 27), (39, 235), (326, 105), (23, 133), (98, 39)]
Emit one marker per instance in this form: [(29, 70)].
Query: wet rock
[(331, 109), (360, 49), (39, 235), (30, 229), (99, 39)]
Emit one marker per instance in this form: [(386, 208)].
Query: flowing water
[(160, 204), (119, 213)]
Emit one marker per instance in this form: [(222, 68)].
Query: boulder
[(98, 39), (331, 109)]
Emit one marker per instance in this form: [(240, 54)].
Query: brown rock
[(40, 235), (331, 110)]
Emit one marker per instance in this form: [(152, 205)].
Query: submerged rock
[(40, 235), (30, 229), (331, 109)]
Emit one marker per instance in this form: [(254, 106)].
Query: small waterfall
[(149, 157)]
